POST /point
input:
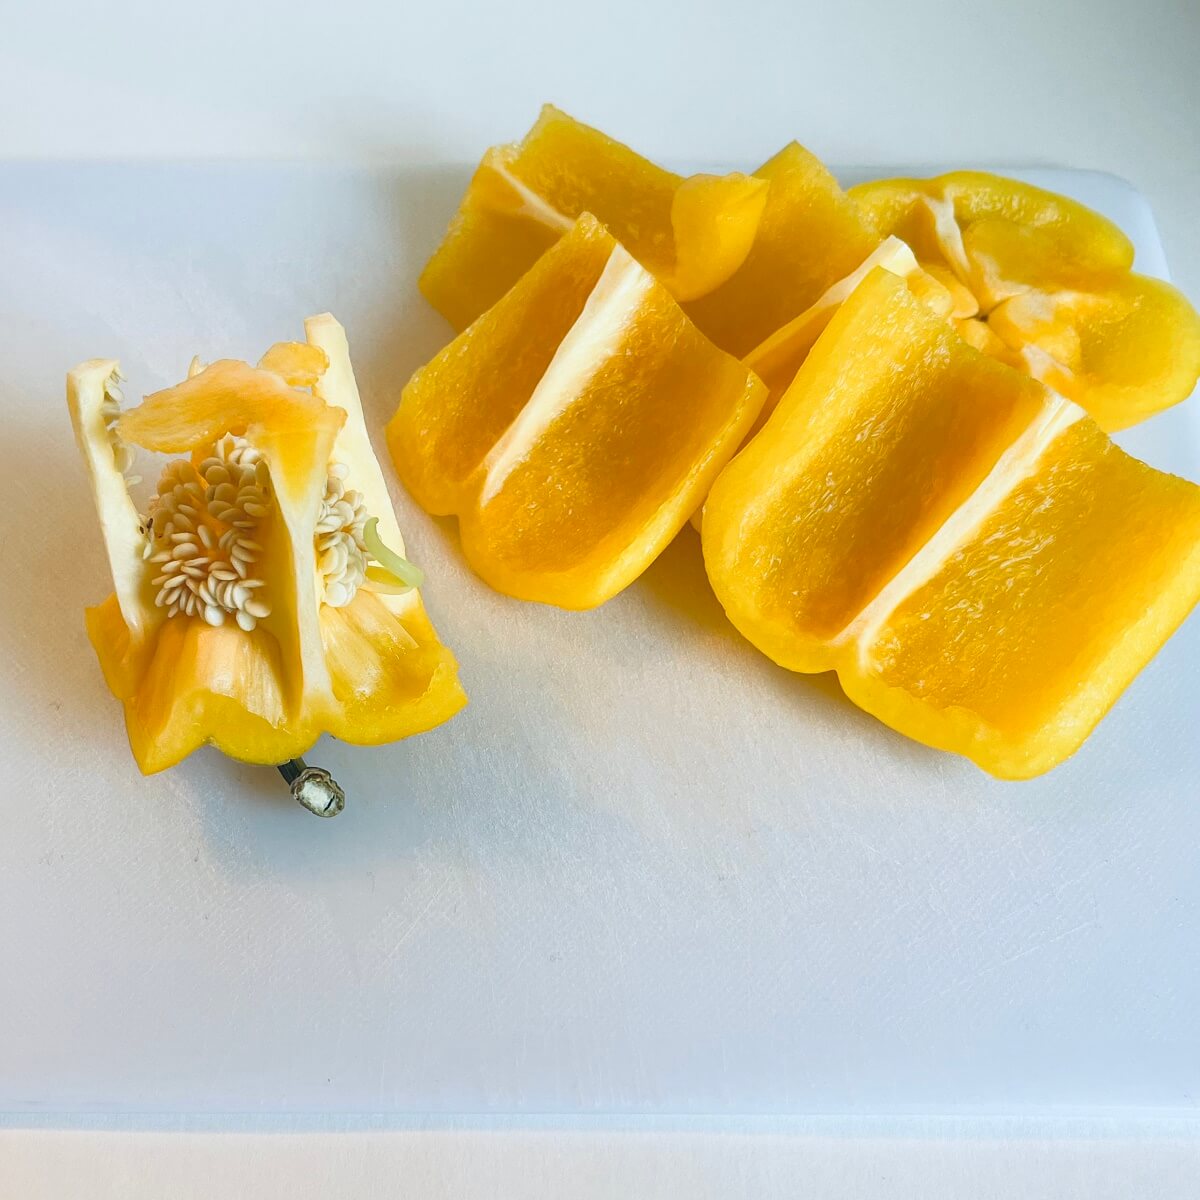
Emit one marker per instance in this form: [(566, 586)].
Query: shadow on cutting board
[(677, 582), (50, 531), (403, 331)]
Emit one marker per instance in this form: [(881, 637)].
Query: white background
[(1106, 84), (1103, 85)]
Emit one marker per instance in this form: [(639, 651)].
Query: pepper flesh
[(811, 235), (777, 359), (574, 427), (369, 672), (983, 568), (691, 233), (1048, 282)]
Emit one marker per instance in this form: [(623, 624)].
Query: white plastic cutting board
[(645, 870)]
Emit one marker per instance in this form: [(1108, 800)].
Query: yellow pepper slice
[(1052, 283), (811, 235), (776, 360), (243, 614), (691, 233), (574, 427), (983, 568)]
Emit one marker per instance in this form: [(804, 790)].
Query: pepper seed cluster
[(201, 526)]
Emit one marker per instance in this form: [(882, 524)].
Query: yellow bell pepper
[(1045, 284), (574, 427), (982, 567), (691, 233), (810, 237), (261, 598), (777, 359)]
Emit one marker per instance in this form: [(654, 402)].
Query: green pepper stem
[(313, 787), (404, 572)]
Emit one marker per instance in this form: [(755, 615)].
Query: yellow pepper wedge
[(982, 567), (1045, 284), (780, 356), (691, 233), (248, 610), (811, 236), (574, 427), (777, 359)]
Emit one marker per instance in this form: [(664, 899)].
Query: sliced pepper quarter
[(983, 568), (811, 235), (691, 233), (574, 427), (776, 360), (243, 612), (1052, 283)]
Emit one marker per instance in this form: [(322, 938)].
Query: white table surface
[(1097, 85)]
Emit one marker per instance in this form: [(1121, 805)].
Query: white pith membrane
[(586, 349), (200, 527), (1014, 465), (522, 200), (892, 254)]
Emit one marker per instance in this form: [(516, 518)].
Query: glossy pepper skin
[(980, 564), (574, 427), (691, 233), (1045, 284), (368, 672)]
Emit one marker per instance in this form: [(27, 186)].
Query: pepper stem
[(313, 787)]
